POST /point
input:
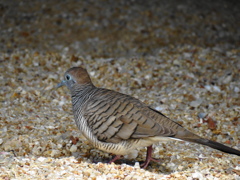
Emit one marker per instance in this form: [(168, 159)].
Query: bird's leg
[(149, 157), (115, 158)]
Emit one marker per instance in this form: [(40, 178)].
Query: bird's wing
[(120, 117)]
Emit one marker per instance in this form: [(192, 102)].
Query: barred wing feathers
[(114, 117)]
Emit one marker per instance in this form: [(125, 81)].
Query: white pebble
[(137, 165), (210, 106), (187, 55), (216, 88), (227, 79), (41, 159), (55, 152), (92, 73), (207, 87), (196, 103), (158, 108), (202, 115), (148, 76), (73, 148), (59, 146), (197, 175), (236, 89)]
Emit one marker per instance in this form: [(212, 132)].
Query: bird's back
[(114, 117)]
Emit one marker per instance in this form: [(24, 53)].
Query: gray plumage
[(118, 123)]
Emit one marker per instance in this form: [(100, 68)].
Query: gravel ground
[(180, 57)]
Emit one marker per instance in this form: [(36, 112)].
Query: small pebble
[(202, 115), (73, 148), (196, 103)]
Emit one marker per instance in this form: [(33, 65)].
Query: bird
[(118, 123)]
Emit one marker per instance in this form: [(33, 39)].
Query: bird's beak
[(62, 83)]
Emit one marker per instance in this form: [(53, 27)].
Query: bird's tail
[(217, 146), (191, 137), (214, 145)]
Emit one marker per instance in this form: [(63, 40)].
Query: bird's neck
[(79, 91), (81, 94)]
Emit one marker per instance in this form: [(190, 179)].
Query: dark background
[(117, 28)]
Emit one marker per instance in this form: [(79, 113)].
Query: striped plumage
[(118, 123)]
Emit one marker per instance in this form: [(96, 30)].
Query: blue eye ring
[(68, 77)]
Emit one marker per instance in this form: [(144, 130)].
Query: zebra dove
[(117, 123)]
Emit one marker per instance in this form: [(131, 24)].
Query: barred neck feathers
[(80, 95), (82, 90)]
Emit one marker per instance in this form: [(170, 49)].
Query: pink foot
[(115, 158), (149, 158)]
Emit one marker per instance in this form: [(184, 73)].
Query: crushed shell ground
[(177, 57)]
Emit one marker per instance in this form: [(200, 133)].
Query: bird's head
[(75, 76)]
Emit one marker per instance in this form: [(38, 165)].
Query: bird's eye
[(68, 77)]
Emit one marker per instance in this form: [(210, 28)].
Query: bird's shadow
[(152, 167)]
